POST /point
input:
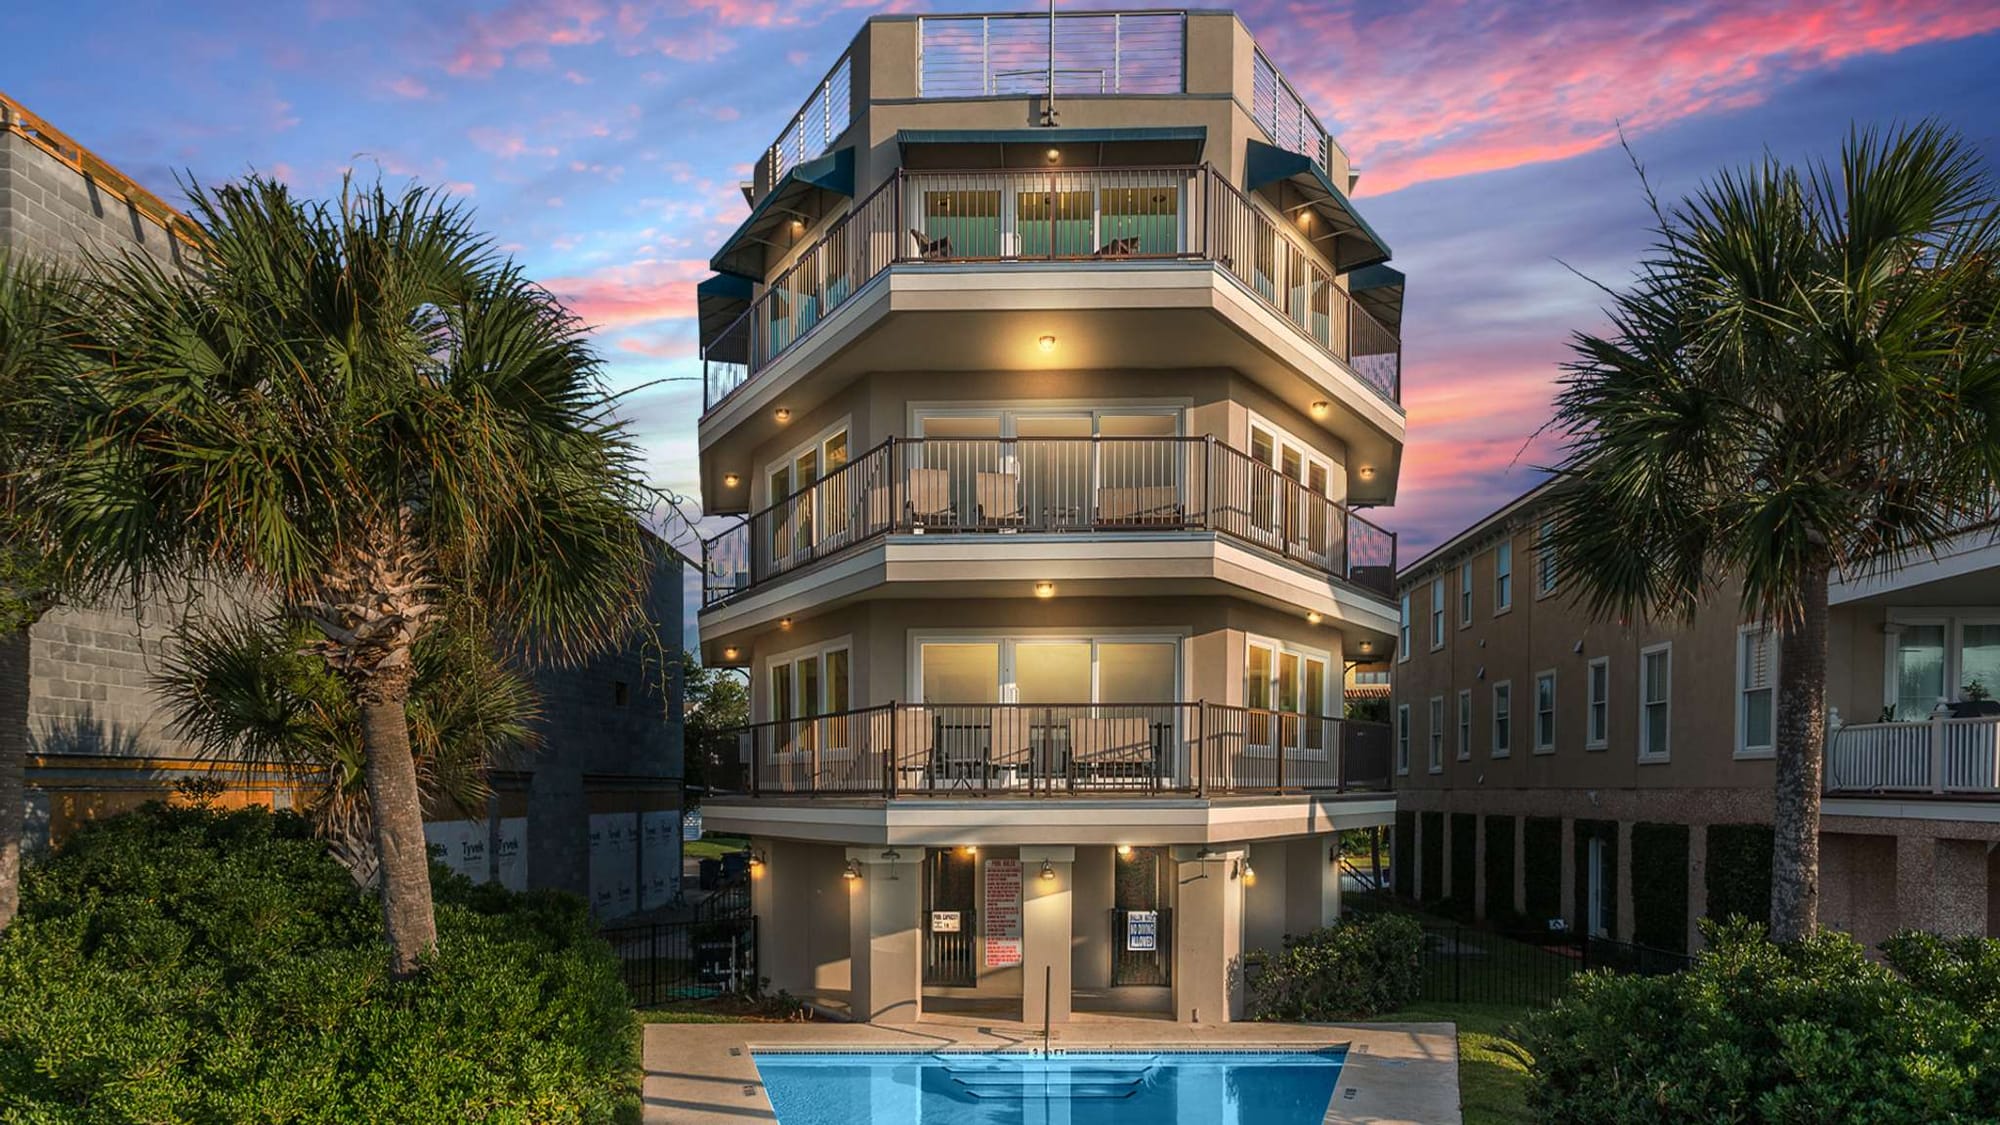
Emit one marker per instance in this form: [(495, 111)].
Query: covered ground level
[(1035, 910)]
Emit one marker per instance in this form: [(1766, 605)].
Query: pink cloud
[(407, 87), (1432, 89), (525, 26), (624, 296), (655, 347), (505, 145)]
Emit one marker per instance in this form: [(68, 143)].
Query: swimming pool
[(1267, 1087)]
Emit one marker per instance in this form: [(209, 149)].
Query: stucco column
[(1916, 882), (1568, 888), (1521, 865), (1092, 897), (1046, 926), (1312, 883), (1208, 935), (1479, 867), (1266, 891), (1626, 928), (1697, 884), (1961, 886), (885, 935)]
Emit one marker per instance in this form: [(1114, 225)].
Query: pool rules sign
[(1002, 922)]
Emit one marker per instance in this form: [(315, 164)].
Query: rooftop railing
[(1015, 54), (1037, 217), (1098, 485), (823, 117), (1048, 750), (1940, 756), (1285, 117)]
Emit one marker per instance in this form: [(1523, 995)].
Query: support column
[(1916, 879), (886, 936), (1312, 883), (1697, 884), (1956, 891), (1626, 927), (1047, 968), (1208, 935)]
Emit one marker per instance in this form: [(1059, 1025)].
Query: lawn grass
[(713, 847)]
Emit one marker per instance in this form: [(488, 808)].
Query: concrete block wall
[(50, 211), (90, 689)]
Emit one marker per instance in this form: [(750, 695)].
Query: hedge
[(1432, 846), (1660, 885), (1360, 967), (1739, 871), (1541, 860), (1500, 868), (1607, 831), (1403, 856)]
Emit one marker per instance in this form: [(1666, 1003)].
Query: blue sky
[(602, 143)]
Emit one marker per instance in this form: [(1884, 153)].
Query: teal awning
[(1379, 290), (1301, 183), (1055, 136), (803, 195), (719, 301), (1083, 148)]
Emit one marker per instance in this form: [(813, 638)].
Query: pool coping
[(706, 1074)]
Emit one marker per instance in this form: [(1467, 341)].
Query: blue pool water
[(1223, 1088)]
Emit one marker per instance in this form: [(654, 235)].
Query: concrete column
[(1046, 929), (886, 935), (1266, 913), (1520, 865), (1568, 888), (1697, 883), (1095, 875), (1479, 867), (1626, 929), (804, 934), (1312, 883), (1208, 936), (1961, 886), (1916, 879)]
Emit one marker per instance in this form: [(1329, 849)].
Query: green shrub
[(1962, 970), (180, 964), (1357, 968), (1660, 886), (1814, 1032), (1739, 871)]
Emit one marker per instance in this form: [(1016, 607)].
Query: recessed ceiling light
[(731, 480), (1320, 408), (1048, 343), (782, 415), (1045, 589)]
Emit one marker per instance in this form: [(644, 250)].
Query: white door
[(1594, 905)]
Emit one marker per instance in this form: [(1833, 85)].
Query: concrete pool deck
[(1395, 1073)]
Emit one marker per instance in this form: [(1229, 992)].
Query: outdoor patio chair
[(932, 249), (999, 499), (1115, 750), (1144, 504), (1119, 248), (912, 732), (1013, 742), (928, 503)]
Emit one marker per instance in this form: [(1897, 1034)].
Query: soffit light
[(1320, 408), (1048, 343), (731, 480), (1045, 589), (782, 415), (1313, 617)]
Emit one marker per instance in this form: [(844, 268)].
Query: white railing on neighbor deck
[(1937, 755)]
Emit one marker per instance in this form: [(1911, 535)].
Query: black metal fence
[(694, 959), (1460, 964)]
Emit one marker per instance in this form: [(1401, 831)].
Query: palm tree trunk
[(13, 766), (393, 798), (1801, 746)]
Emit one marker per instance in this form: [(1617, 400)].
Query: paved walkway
[(703, 1074)]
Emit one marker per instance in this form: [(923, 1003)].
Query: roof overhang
[(719, 302), (1029, 148), (1379, 290), (805, 194), (1296, 182)]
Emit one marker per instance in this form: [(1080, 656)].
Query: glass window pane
[(836, 451), (961, 673), (1135, 673), (781, 692), (1138, 425), (1052, 673), (954, 426), (809, 699), (838, 695), (1315, 699), (1052, 425), (1980, 663), (1919, 670), (1288, 681), (1257, 678)]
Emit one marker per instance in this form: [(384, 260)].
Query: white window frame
[(1404, 632), (1495, 748), (1436, 734), (1437, 613), (1330, 697), (1008, 690), (1953, 619), (1503, 577), (1596, 727), (1465, 594), (1547, 575), (1742, 748), (817, 444), (792, 658), (1647, 752), (1547, 675), (1010, 412), (1403, 739), (1464, 724)]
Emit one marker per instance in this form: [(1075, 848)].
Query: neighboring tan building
[(595, 811), (1048, 424), (1619, 776)]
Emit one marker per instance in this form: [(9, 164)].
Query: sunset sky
[(602, 143)]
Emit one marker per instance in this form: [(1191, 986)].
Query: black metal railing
[(1152, 966), (951, 957), (693, 959), (1463, 964), (1054, 486), (1004, 216), (1043, 750)]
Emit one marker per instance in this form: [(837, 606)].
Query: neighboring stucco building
[(596, 811), (1619, 775), (1048, 425)]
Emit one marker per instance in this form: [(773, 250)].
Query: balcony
[(1942, 757), (946, 220), (1036, 750), (1055, 486)]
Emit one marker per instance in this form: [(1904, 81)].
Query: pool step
[(1106, 1082)]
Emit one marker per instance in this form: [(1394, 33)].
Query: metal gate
[(1142, 966), (951, 957)]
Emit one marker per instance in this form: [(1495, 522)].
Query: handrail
[(941, 486), (20, 121), (1009, 216), (1938, 755)]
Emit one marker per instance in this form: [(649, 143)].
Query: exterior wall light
[(1367, 646), (784, 623), (756, 861), (1305, 220), (1242, 870), (1313, 617), (1125, 849), (853, 872), (1045, 589), (782, 415), (1048, 872), (1055, 154), (731, 480), (971, 849), (1320, 408), (731, 653), (1366, 472), (1048, 343)]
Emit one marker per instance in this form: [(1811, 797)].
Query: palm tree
[(1801, 384), (365, 413), (251, 691), (33, 314)]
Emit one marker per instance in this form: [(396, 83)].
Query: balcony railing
[(1016, 54), (1037, 217), (942, 486), (1053, 750), (1937, 756)]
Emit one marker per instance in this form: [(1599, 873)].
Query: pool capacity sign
[(1002, 925)]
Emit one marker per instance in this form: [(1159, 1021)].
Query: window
[(1503, 577), (1465, 725), (1279, 677), (1756, 690), (1545, 560), (806, 686), (1437, 613), (1503, 730), (1919, 670), (1655, 687), (1436, 733), (1545, 713), (1597, 716), (1051, 670), (1403, 631), (1403, 738), (803, 515), (1464, 594)]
